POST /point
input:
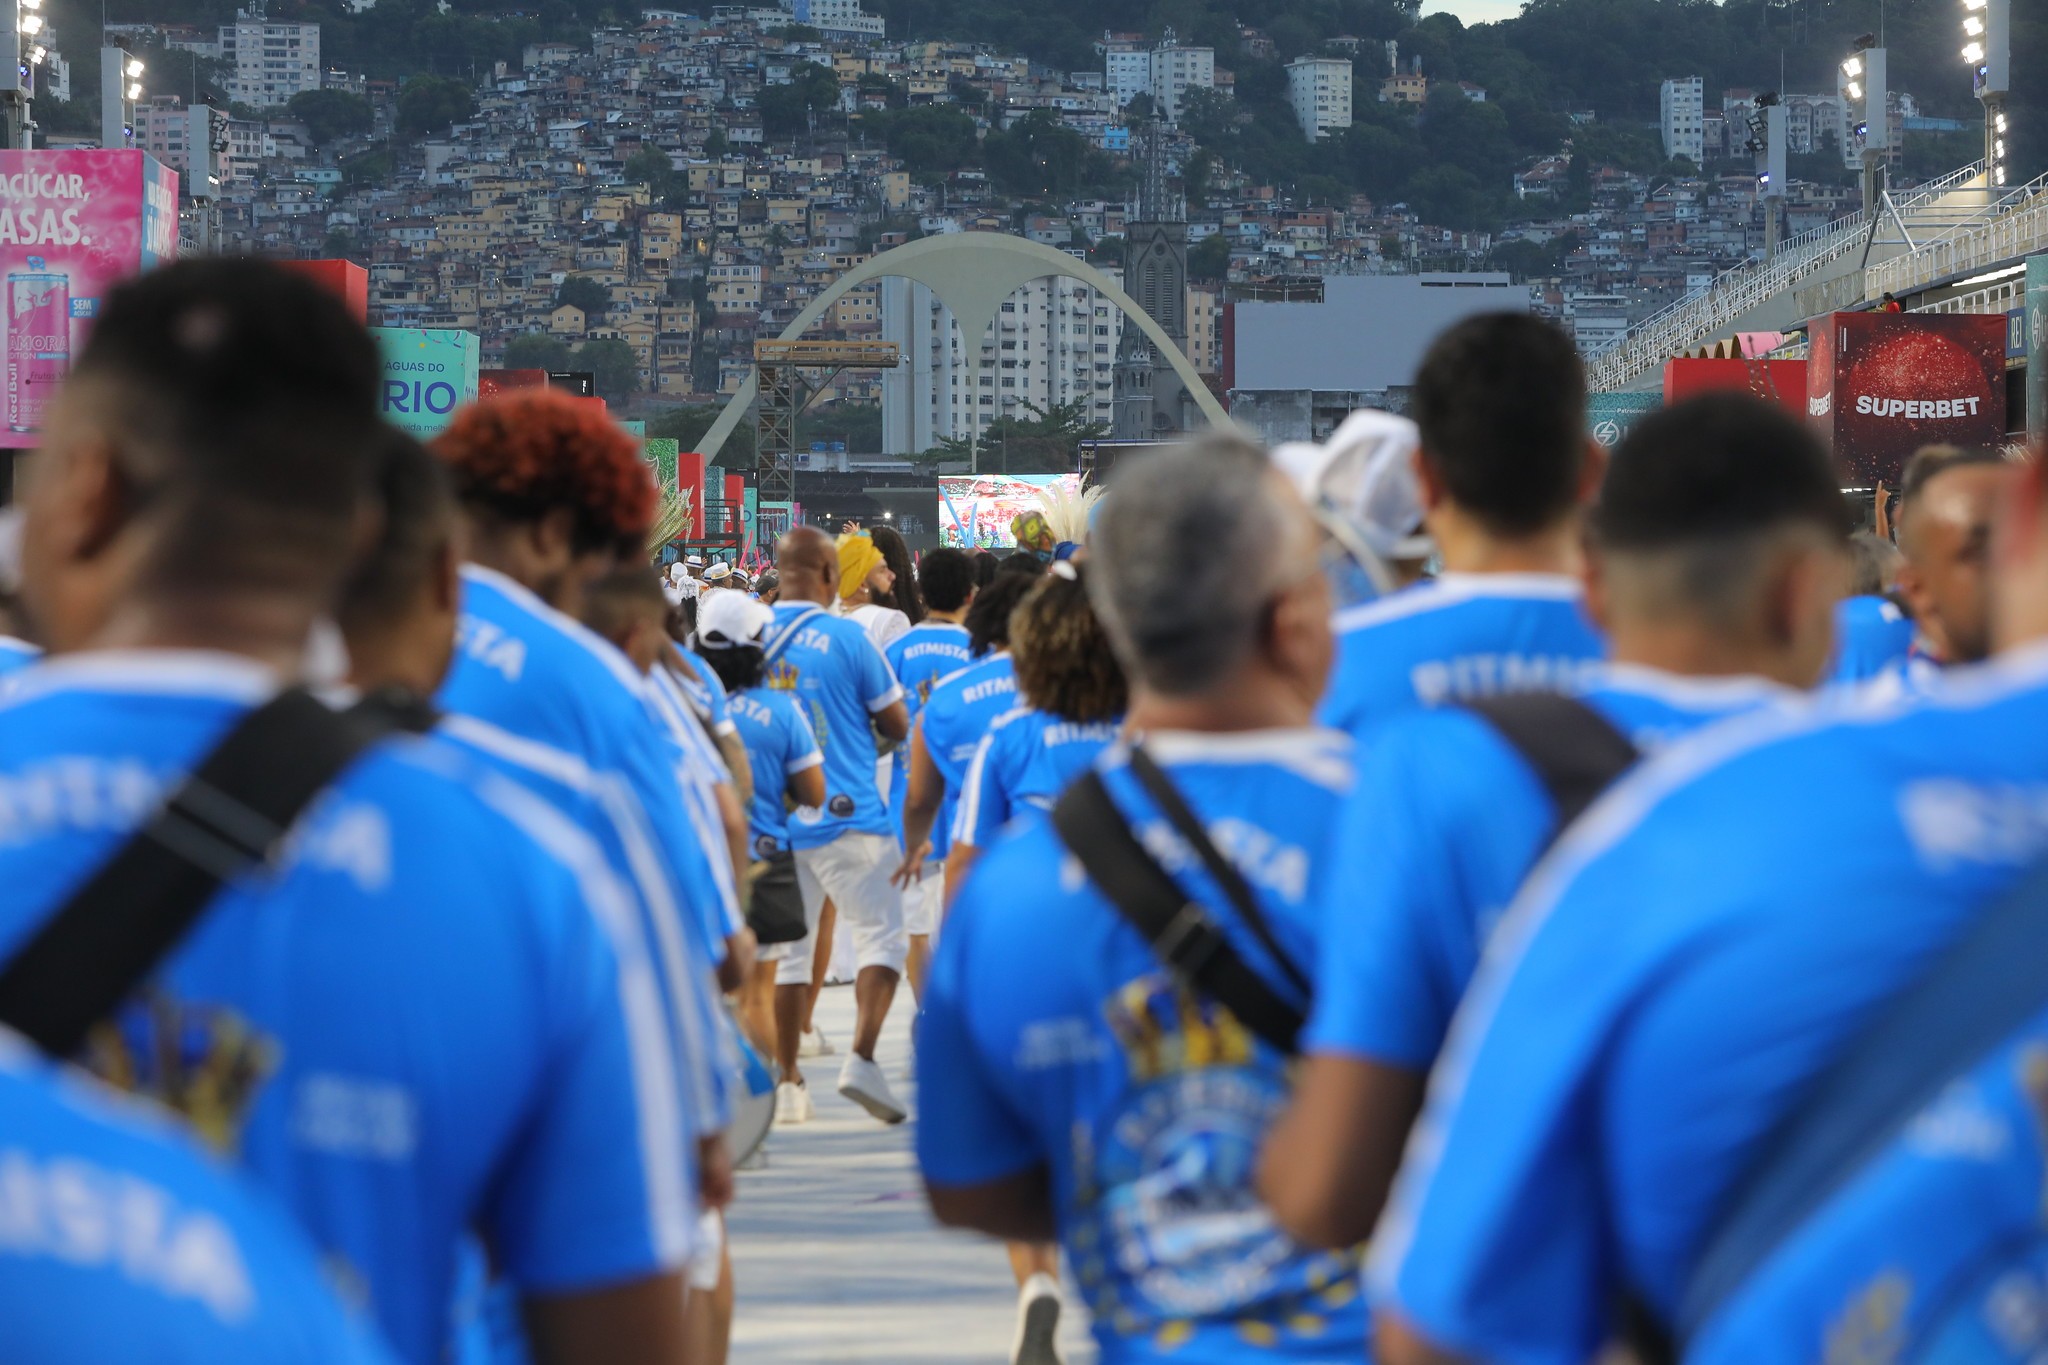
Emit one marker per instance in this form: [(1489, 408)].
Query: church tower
[(1150, 401)]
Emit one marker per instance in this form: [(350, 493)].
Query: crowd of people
[(1454, 893)]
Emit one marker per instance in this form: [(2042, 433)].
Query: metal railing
[(1739, 289), (2018, 232)]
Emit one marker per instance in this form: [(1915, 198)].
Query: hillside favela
[(1024, 682)]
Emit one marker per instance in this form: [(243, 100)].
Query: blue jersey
[(1933, 1247), (1455, 638), (121, 1243), (956, 717), (427, 1023), (840, 679), (1688, 959), (700, 771), (1871, 635), (1433, 843), (1052, 1037), (920, 657), (532, 672), (1026, 760), (706, 693), (779, 746), (16, 655)]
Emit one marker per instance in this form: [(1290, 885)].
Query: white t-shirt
[(883, 624)]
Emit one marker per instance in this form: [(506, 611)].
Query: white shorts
[(923, 900), (854, 871), (709, 1256)]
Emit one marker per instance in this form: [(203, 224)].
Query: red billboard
[(1882, 385), (1778, 381)]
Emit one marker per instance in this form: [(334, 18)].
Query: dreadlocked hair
[(520, 455), (1065, 663)]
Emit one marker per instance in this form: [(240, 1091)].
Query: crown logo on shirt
[(1165, 1028), (782, 676), (204, 1062)]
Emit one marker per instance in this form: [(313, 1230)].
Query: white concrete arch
[(972, 273)]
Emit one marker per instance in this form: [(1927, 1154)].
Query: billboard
[(428, 374), (1882, 385), (1783, 382), (1610, 415), (492, 382), (73, 224), (2037, 348), (975, 509)]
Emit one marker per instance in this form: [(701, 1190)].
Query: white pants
[(854, 871), (924, 899)]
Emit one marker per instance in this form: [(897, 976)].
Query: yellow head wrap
[(857, 559)]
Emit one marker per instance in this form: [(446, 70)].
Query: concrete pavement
[(837, 1258)]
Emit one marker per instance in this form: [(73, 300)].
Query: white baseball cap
[(1365, 473), (733, 618)]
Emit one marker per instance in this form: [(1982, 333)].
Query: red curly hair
[(521, 454)]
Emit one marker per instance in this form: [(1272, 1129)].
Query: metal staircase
[(1930, 219)]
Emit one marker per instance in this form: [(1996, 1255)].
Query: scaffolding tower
[(786, 390)]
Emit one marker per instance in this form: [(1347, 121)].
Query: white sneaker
[(814, 1043), (861, 1081), (1038, 1323), (793, 1104)]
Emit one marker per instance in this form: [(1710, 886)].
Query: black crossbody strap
[(228, 816), (1188, 826), (1574, 750), (1184, 936)]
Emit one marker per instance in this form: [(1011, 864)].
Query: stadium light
[(1855, 90), (134, 68), (1853, 67)]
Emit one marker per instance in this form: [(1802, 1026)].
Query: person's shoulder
[(1023, 882), (1017, 720), (554, 641)]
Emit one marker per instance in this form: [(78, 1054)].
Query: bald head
[(807, 563)]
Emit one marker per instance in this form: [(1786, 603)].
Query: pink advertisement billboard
[(73, 224)]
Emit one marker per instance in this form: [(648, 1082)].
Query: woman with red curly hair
[(554, 496), (555, 491)]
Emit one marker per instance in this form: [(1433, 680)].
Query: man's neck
[(271, 630), (1468, 547), (1253, 700), (951, 618), (1689, 651), (798, 593)]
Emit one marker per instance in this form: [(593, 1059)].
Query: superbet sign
[(1881, 385)]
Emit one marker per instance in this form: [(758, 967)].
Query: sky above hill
[(1475, 11)]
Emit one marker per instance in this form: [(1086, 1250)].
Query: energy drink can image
[(38, 344)]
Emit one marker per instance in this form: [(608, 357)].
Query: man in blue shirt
[(930, 650), (1948, 500), (192, 513), (847, 848), (1506, 464), (1712, 557), (552, 494), (1704, 944), (202, 1269), (788, 773), (953, 721), (1072, 1086), (1872, 633)]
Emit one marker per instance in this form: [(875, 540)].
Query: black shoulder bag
[(1183, 934), (1575, 752), (227, 817)]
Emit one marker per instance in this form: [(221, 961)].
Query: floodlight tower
[(1767, 143), (1863, 84), (1987, 47), (27, 45), (120, 88)]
